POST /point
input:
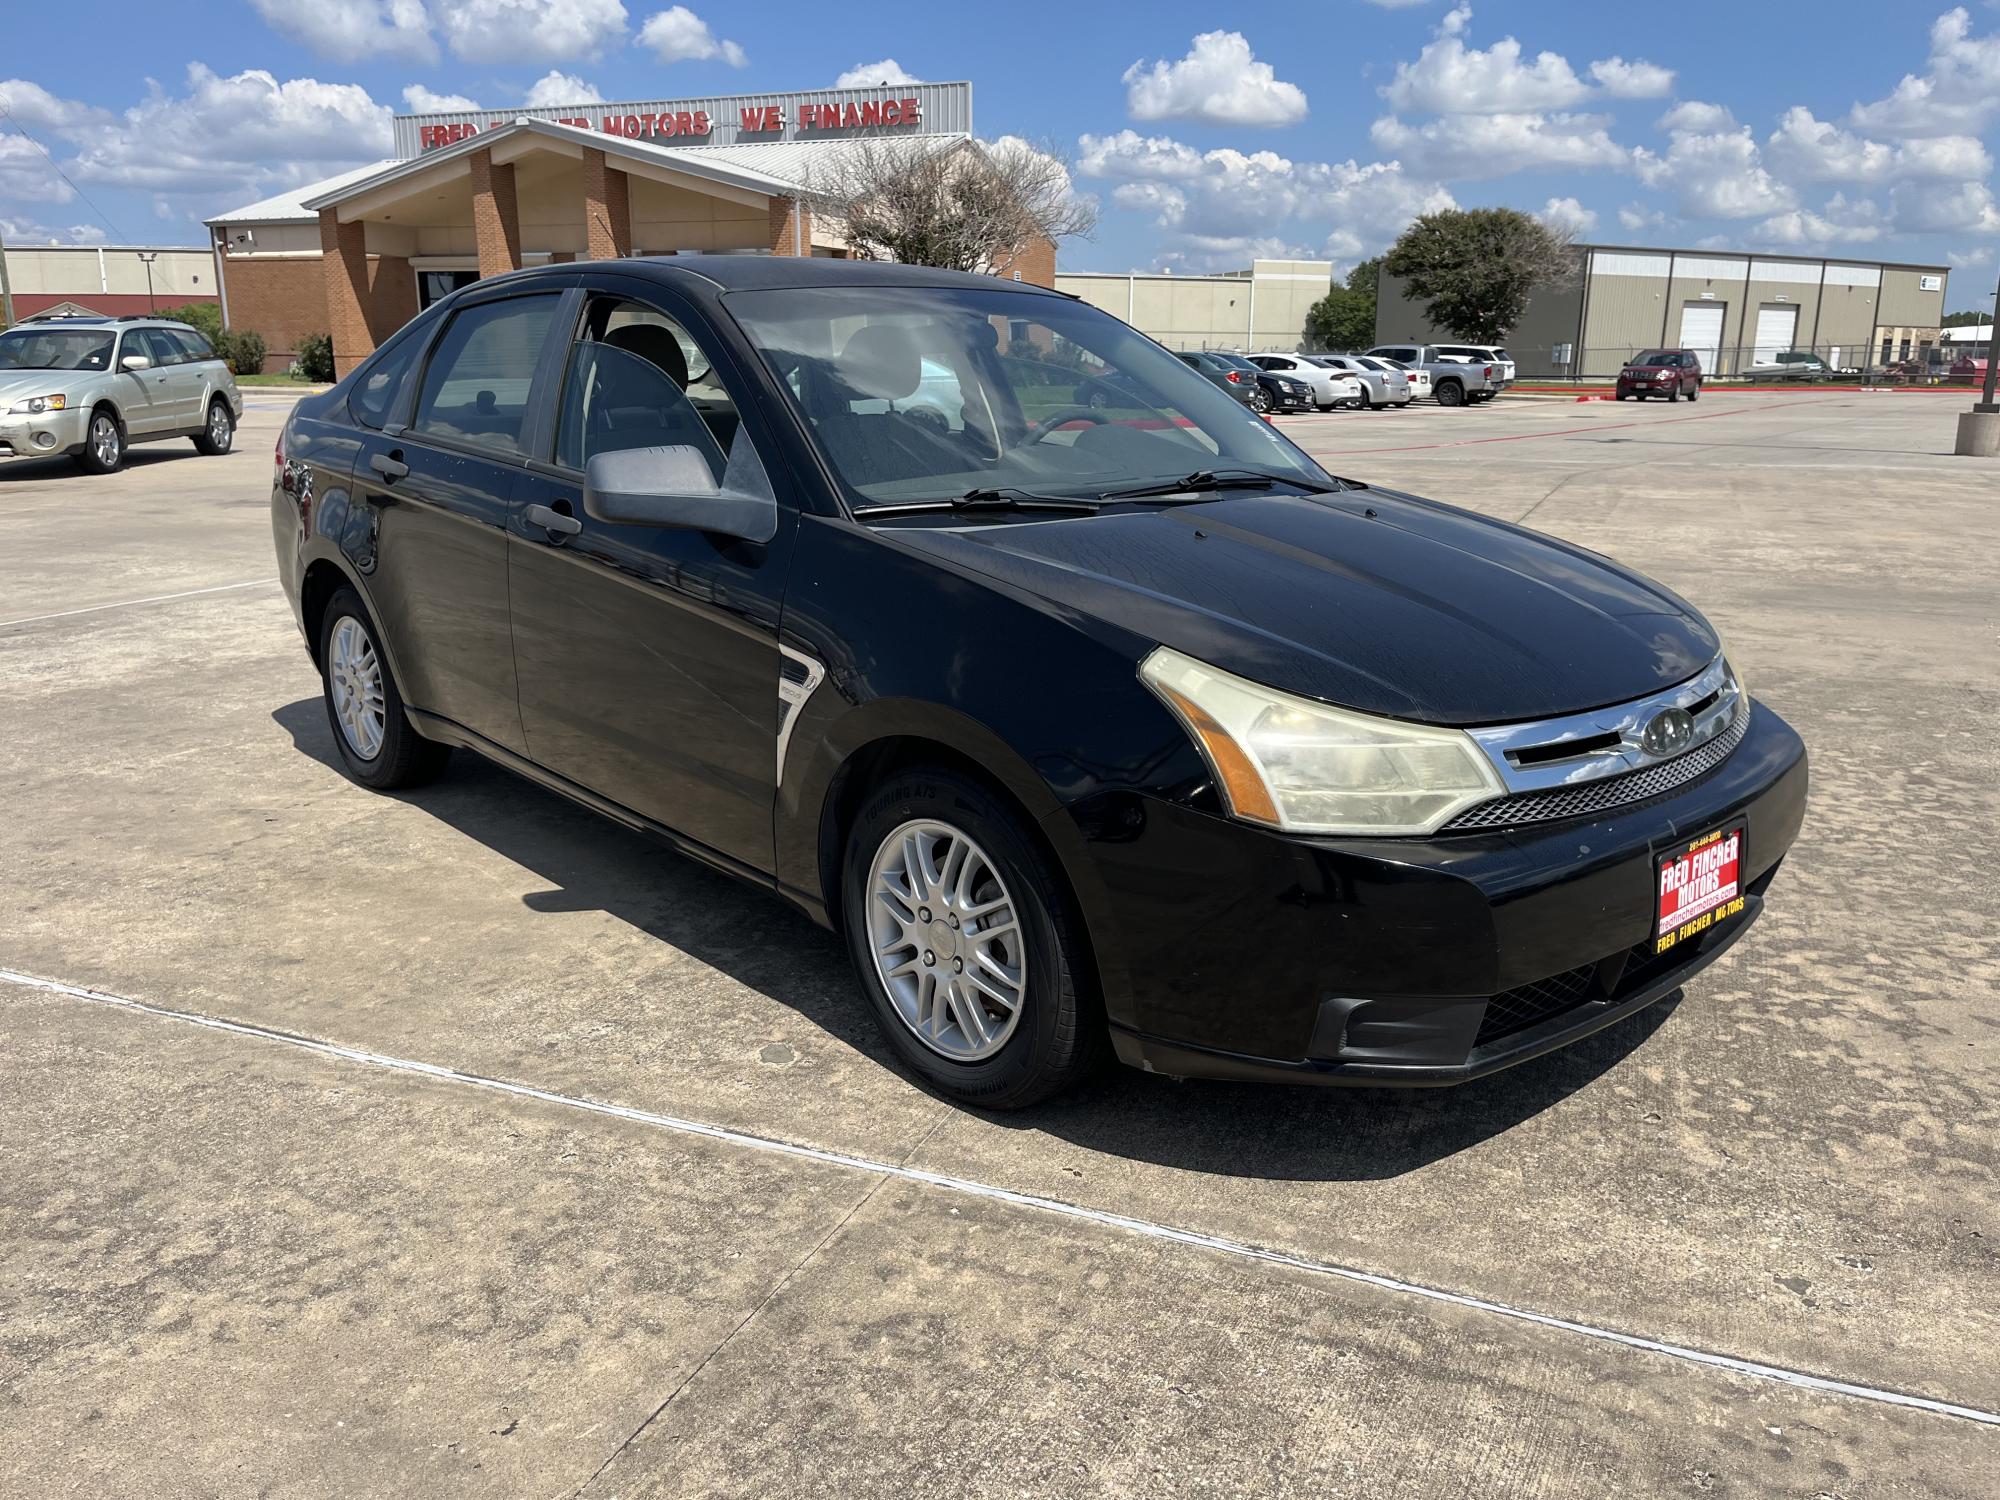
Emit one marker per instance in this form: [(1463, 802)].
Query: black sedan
[(1084, 726)]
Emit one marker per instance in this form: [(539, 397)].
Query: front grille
[(1588, 797), (1517, 1010)]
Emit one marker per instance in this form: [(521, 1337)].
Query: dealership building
[(1734, 310), (474, 193)]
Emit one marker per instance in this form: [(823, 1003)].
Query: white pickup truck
[(1458, 378)]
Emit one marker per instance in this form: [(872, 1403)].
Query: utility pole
[(6, 288)]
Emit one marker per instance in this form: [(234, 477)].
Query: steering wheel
[(1063, 418)]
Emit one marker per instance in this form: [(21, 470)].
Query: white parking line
[(64, 614), (1753, 1369)]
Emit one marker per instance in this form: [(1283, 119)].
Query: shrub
[(242, 349), (315, 351), (204, 317)]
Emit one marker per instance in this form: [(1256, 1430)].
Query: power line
[(116, 232)]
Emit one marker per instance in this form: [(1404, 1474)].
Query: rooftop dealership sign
[(729, 120)]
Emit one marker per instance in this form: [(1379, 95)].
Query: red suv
[(1672, 373)]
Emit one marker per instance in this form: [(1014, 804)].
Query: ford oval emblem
[(1668, 732)]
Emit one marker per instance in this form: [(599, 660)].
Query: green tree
[(1966, 320), (1475, 270), (1345, 317)]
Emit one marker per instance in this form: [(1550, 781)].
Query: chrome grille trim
[(1624, 724), (1585, 798)]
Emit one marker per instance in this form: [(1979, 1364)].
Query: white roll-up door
[(1776, 328), (1701, 331)]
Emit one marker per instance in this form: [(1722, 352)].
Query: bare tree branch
[(961, 205)]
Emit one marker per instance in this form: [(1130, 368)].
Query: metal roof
[(291, 205)]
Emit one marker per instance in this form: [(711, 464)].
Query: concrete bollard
[(1979, 434)]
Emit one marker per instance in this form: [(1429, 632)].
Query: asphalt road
[(462, 1143)]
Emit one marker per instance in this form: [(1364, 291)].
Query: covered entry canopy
[(535, 190)]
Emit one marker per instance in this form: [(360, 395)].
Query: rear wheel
[(1260, 399), (378, 745), (103, 443), (965, 943), (218, 434), (1450, 393)]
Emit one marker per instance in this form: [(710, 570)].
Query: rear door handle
[(388, 465), (552, 521)]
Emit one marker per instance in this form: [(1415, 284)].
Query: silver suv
[(91, 387)]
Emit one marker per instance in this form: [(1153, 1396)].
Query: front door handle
[(389, 465), (552, 521)]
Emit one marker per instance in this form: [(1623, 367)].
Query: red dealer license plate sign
[(1700, 885)]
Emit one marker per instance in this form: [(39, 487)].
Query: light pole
[(1979, 429), (148, 257), (6, 289)]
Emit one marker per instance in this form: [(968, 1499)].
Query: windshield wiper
[(1204, 481), (1005, 497)]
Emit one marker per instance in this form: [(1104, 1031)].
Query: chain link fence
[(1892, 357)]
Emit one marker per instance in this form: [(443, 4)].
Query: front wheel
[(103, 443), (965, 943), (378, 745), (1451, 393), (218, 434), (1694, 393)]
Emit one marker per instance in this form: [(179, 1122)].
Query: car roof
[(732, 273), (99, 321)]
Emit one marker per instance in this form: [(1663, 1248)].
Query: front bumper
[(1231, 951), (66, 429)]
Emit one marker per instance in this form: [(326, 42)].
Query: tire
[(1056, 1034), (1694, 392), (1620, 396), (218, 435), (394, 755), (1450, 393), (1674, 396), (103, 443), (1260, 401)]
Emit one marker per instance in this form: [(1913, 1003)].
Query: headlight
[(35, 405), (1305, 767)]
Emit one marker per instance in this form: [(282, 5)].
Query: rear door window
[(192, 344), (158, 346), (374, 394), (475, 390)]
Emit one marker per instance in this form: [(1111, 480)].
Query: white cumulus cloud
[(1567, 213), (353, 30), (1632, 80), (1843, 223), (1207, 198), (1931, 208), (513, 31), (1718, 175), (1449, 77), (425, 101), (1219, 81), (1698, 117), (1501, 144), (554, 88), (1635, 217), (862, 75), (1957, 95), (679, 35)]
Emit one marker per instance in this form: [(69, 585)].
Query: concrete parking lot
[(462, 1143)]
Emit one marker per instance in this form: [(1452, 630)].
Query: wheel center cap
[(943, 939)]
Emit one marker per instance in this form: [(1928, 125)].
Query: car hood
[(1369, 599), (16, 384)]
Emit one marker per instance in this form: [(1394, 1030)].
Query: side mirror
[(674, 487), (135, 362)]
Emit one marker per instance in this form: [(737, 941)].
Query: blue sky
[(1314, 130)]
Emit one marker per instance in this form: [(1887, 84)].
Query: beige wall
[(1904, 302), (1211, 312), (76, 271)]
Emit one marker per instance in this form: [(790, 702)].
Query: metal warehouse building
[(1262, 308), (1734, 310)]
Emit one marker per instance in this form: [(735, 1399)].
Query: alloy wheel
[(354, 674), (946, 939), (104, 439), (220, 429)]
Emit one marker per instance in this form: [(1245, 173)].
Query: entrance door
[(1701, 332), (1777, 327)]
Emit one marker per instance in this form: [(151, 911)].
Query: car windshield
[(1369, 364), (56, 349), (930, 393), (1658, 359)]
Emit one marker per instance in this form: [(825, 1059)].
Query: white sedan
[(1330, 388)]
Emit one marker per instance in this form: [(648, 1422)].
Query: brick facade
[(496, 220), (607, 207), (1036, 261), (363, 298), (791, 227)]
